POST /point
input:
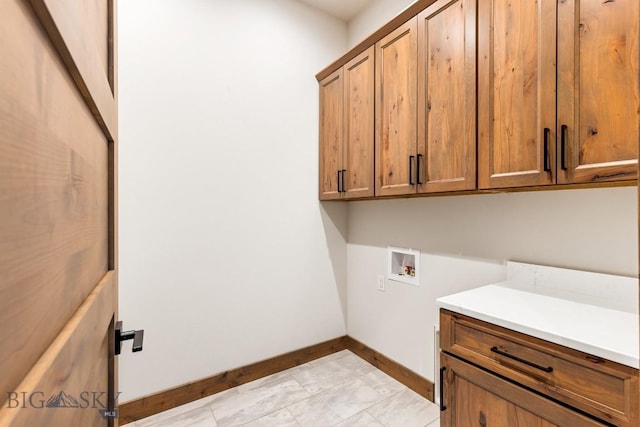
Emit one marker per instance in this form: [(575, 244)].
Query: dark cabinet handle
[(136, 336), (564, 129), (442, 405), (339, 189), (344, 189), (418, 177), (517, 359), (547, 162), (411, 158)]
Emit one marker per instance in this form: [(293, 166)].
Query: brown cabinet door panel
[(331, 134), (598, 90), (516, 92), (396, 111), (359, 99), (447, 96), (474, 397)]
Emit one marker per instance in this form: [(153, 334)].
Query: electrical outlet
[(380, 283)]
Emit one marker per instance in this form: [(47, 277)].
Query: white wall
[(226, 256), (224, 248), (465, 241), (378, 13)]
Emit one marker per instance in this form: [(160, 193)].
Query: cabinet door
[(396, 111), (331, 134), (474, 397), (516, 92), (447, 96), (359, 140), (598, 92)]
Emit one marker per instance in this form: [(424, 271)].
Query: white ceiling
[(343, 9)]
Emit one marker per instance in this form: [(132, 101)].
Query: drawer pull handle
[(594, 359), (442, 405), (411, 158), (547, 163), (517, 359), (344, 171), (564, 130)]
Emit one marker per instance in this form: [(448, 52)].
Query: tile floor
[(337, 390)]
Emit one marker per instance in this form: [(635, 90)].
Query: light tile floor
[(337, 390)]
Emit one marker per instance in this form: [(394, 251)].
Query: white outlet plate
[(380, 283)]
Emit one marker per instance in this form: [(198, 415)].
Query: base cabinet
[(474, 397), (494, 376)]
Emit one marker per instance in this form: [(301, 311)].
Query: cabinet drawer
[(599, 387)]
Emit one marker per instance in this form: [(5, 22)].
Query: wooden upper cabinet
[(595, 136), (447, 96), (485, 94), (358, 152), (346, 130), (516, 93), (598, 93), (396, 111), (331, 135)]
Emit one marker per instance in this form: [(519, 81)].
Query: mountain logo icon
[(62, 400)]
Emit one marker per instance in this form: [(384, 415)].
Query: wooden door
[(58, 283), (396, 111), (598, 90), (474, 397), (516, 93), (447, 96), (359, 99), (331, 135)]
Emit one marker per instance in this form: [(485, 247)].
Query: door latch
[(136, 336)]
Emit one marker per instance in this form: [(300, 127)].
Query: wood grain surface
[(331, 134), (396, 110), (359, 100), (447, 96), (516, 92), (598, 89)]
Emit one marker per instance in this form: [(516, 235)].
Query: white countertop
[(604, 332)]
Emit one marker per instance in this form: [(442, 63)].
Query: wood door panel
[(447, 95), (598, 88), (478, 403), (331, 134), (54, 204), (516, 92), (396, 109), (359, 99), (77, 364), (58, 286), (75, 27)]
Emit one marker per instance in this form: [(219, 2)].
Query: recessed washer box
[(404, 265)]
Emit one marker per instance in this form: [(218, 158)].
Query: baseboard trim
[(158, 402), (406, 376), (164, 400)]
